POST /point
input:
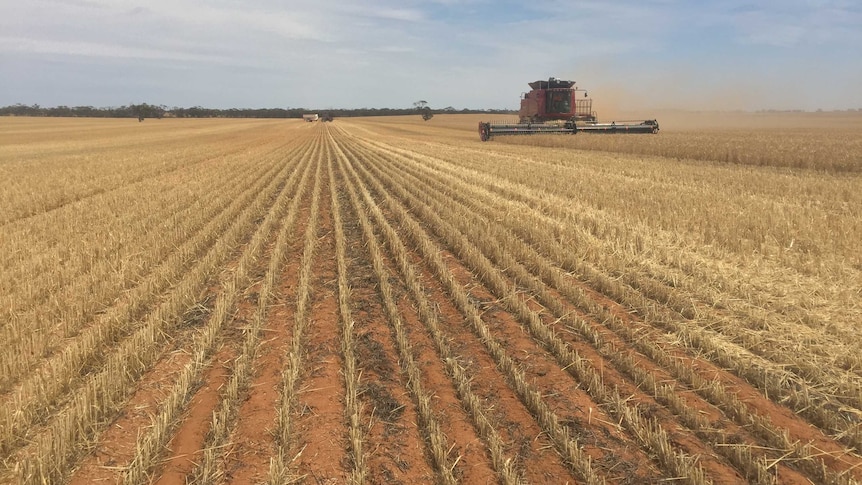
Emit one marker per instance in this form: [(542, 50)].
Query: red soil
[(186, 447)]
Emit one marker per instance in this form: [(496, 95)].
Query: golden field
[(389, 300)]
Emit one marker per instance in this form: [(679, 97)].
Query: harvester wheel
[(484, 131)]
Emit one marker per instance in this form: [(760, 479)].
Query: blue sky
[(629, 55)]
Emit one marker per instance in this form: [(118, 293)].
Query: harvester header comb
[(490, 130)]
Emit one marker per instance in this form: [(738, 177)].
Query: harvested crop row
[(460, 194), (107, 245), (644, 380), (105, 391), (211, 467), (75, 171), (151, 445), (352, 411), (516, 378), (455, 372), (390, 421), (280, 471), (570, 360), (58, 374), (733, 220), (439, 449), (613, 258), (608, 345), (639, 292), (778, 295), (39, 333), (320, 434)]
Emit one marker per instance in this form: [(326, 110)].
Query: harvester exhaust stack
[(553, 106)]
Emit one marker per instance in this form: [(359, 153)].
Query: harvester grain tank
[(556, 106)]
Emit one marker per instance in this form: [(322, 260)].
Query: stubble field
[(387, 300)]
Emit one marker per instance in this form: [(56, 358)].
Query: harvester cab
[(555, 106), (555, 100)]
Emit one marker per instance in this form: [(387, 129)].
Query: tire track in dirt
[(397, 435), (357, 460), (248, 459), (469, 466), (320, 426)]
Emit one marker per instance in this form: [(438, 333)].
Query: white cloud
[(388, 13), (93, 49)]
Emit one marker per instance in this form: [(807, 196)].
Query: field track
[(365, 301)]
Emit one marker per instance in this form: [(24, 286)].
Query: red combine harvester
[(553, 106)]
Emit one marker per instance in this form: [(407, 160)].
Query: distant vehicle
[(309, 117)]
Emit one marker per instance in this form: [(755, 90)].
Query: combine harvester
[(553, 106)]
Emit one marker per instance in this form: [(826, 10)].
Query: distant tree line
[(144, 110), (130, 111)]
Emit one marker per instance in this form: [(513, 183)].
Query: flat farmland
[(388, 300)]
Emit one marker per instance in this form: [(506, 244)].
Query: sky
[(478, 54)]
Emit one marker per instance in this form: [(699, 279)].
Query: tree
[(144, 110), (423, 109)]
